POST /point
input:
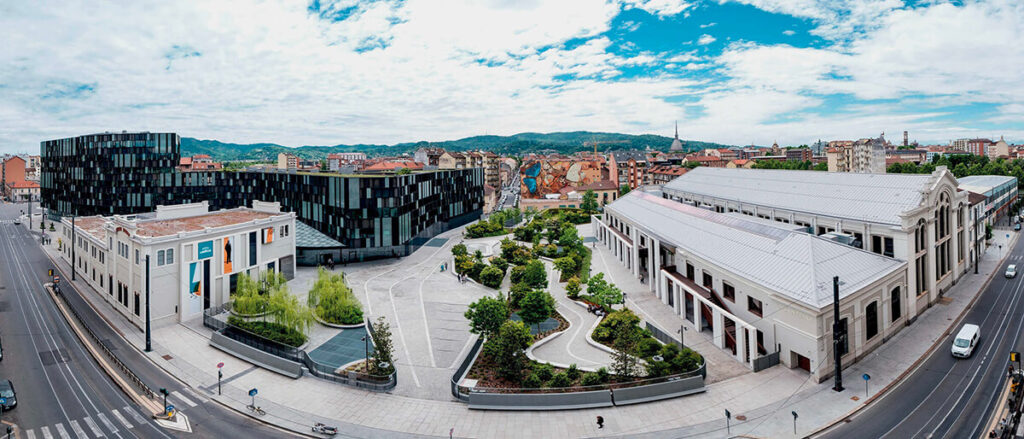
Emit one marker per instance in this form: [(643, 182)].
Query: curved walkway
[(572, 346)]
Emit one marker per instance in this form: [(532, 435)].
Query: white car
[(1011, 271), (966, 340)]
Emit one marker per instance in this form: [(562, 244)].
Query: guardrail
[(463, 368), (132, 377)]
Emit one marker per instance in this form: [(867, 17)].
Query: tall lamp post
[(366, 354), (838, 334)]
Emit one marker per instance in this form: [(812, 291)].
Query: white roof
[(798, 265), (875, 198), (980, 184)]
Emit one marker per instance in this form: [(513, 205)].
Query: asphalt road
[(62, 393), (948, 397)]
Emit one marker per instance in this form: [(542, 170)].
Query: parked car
[(966, 340), (1011, 271), (7, 392)]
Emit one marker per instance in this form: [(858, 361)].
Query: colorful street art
[(542, 177)]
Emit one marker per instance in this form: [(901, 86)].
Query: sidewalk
[(571, 346), (765, 399)]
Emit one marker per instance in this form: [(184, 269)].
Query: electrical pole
[(838, 334)]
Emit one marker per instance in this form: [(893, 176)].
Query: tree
[(602, 292), (383, 349), (569, 239), (491, 276), (284, 309), (624, 360), (460, 250), (404, 171), (536, 307), (624, 189), (517, 292), (507, 346), (572, 288), (534, 274), (821, 167), (566, 265), (589, 204), (486, 315)]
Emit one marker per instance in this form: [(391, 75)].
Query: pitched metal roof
[(875, 198), (984, 183), (795, 264), (308, 237)]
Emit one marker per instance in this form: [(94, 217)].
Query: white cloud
[(705, 26), (789, 32), (705, 40), (662, 8)]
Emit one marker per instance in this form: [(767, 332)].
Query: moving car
[(1011, 271), (7, 392), (966, 340)]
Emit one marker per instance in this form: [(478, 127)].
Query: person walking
[(600, 422)]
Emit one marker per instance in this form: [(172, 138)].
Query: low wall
[(258, 357), (658, 391), (540, 401)]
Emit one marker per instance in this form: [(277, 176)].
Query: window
[(170, 256), (844, 343), (708, 281), (252, 248), (160, 258), (136, 304), (894, 302), (755, 306), (728, 292), (136, 256), (871, 320), (689, 271)]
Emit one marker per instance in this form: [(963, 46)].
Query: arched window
[(896, 304), (871, 321)]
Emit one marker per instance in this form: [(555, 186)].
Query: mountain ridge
[(521, 143)]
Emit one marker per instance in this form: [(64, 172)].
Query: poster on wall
[(195, 287), (205, 249), (229, 255), (268, 235)]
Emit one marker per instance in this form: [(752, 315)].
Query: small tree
[(383, 349), (506, 348), (566, 265), (569, 239), (460, 250), (589, 204), (536, 307), (491, 276), (534, 274), (572, 288), (517, 293), (486, 315), (624, 189), (624, 360), (602, 292), (499, 263)]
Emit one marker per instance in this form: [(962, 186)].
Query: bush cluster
[(269, 330)]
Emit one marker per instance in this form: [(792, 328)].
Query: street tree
[(507, 349), (536, 307), (602, 292), (535, 275), (383, 348), (486, 315), (589, 204)]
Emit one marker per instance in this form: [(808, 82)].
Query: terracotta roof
[(185, 161), (91, 225), (704, 158), (740, 162), (156, 228), (602, 185), (667, 170), (202, 156), (24, 184), (391, 166)]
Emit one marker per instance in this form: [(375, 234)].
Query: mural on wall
[(542, 177), (268, 235), (229, 256)]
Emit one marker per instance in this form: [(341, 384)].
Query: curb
[(917, 363)]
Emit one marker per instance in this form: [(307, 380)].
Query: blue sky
[(387, 71)]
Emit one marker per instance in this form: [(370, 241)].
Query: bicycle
[(255, 409)]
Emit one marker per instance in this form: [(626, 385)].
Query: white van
[(966, 340)]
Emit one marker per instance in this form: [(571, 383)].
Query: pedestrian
[(600, 422)]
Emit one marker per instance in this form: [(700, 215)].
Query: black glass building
[(371, 215)]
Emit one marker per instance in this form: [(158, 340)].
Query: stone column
[(655, 262), (741, 342), (696, 313), (719, 328), (752, 345)]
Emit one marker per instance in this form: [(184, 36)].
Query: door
[(803, 362), (206, 284)]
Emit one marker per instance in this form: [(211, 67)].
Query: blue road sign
[(866, 377), (3, 400), (252, 392)]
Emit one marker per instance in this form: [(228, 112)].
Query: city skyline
[(388, 72)]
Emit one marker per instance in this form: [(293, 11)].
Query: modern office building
[(1000, 193), (378, 215), (761, 287), (195, 256)]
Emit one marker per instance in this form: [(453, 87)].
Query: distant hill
[(521, 143)]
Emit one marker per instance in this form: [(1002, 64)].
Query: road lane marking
[(194, 395), (78, 429), (92, 426), (120, 418), (30, 434), (179, 396), (135, 415), (46, 432), (106, 421), (60, 430)]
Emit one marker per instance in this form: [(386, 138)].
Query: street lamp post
[(366, 353), (682, 333)]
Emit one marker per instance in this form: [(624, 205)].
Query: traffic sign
[(866, 377), (252, 392), (3, 401), (56, 279), (220, 365)]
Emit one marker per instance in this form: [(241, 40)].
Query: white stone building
[(195, 256)]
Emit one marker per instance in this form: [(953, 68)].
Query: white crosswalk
[(177, 396), (99, 425)]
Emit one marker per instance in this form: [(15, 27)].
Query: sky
[(341, 71)]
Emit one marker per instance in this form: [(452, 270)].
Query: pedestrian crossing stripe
[(46, 433), (60, 430), (30, 434), (92, 426), (106, 421), (77, 429), (120, 418), (177, 395), (135, 415)]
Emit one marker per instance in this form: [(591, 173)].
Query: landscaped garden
[(265, 308), (332, 300), (495, 224), (554, 237), (490, 273)]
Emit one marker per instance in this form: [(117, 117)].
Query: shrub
[(572, 288), (566, 265), (507, 248), (687, 360), (269, 330), (463, 264), (486, 315), (524, 233), (561, 379), (648, 347), (333, 300), (535, 275), (491, 276), (573, 372), (669, 351), (590, 379), (521, 256), (475, 269), (516, 276), (460, 250), (658, 369), (602, 373), (532, 381), (517, 293), (484, 229), (499, 263), (544, 371)]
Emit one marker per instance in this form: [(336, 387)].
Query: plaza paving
[(410, 289)]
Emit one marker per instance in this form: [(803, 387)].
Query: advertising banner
[(268, 235), (195, 287), (229, 255), (205, 249)]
